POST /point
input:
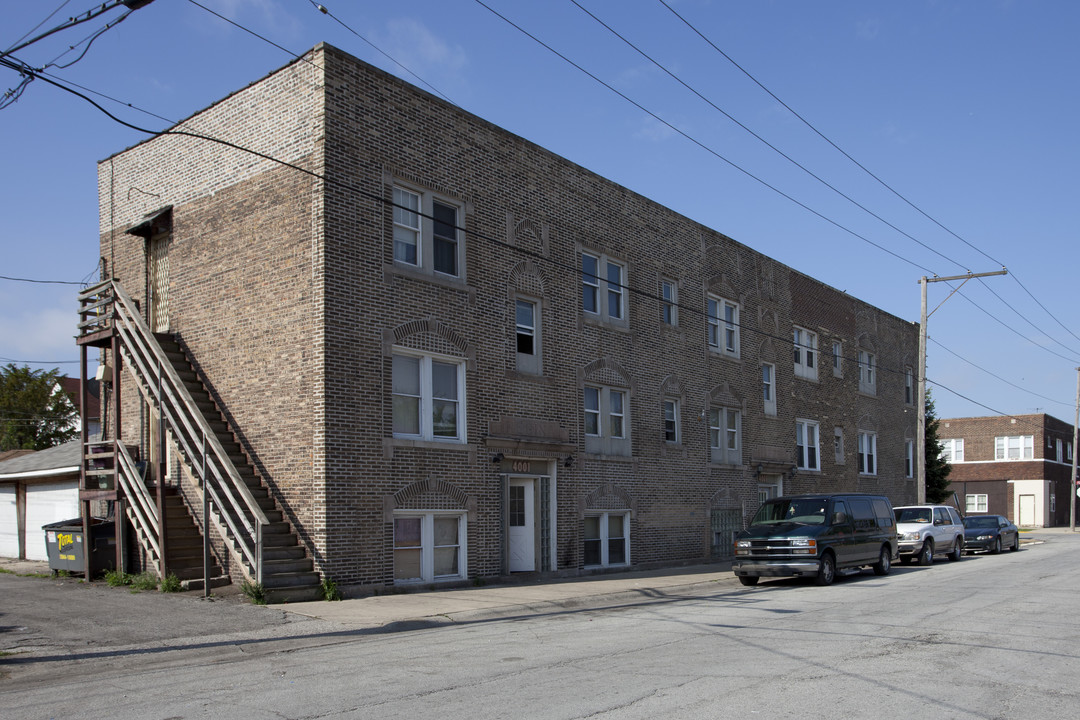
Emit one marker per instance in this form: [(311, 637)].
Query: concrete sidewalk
[(515, 599)]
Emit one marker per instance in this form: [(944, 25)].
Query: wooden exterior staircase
[(240, 508)]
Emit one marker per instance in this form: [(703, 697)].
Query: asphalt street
[(58, 636)]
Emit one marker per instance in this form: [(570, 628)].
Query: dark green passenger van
[(815, 536)]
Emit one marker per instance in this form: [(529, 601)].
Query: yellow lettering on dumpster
[(64, 540)]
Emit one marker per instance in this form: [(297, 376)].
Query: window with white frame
[(426, 232), (805, 353), (807, 447), (429, 546), (603, 284), (606, 420), (867, 372), (1068, 452), (725, 436), (428, 397), (607, 539), (768, 387), (1060, 450), (723, 325), (671, 420), (952, 450), (837, 359), (909, 386), (977, 502), (1014, 447), (669, 301), (527, 333), (909, 458), (867, 453)]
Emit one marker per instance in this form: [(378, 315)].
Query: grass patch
[(5, 571), (144, 581), (255, 592), (117, 578), (330, 591), (171, 584)]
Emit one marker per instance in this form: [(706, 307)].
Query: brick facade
[(286, 290), (1042, 480)]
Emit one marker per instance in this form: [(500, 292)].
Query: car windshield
[(800, 510), (981, 522), (913, 515)]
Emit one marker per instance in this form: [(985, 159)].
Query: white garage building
[(35, 490)]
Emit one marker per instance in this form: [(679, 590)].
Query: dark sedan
[(990, 532)]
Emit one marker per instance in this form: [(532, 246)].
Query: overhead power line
[(47, 18), (700, 144), (323, 9), (768, 144), (739, 168), (997, 377), (40, 282), (38, 362), (58, 83), (862, 167)]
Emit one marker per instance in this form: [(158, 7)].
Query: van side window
[(840, 507), (863, 514), (883, 512)]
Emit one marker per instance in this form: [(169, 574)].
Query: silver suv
[(923, 530)]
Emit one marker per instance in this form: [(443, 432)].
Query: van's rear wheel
[(884, 563), (749, 580), (826, 569)]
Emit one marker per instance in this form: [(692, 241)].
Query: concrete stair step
[(287, 566), (287, 552), (290, 579), (300, 593)]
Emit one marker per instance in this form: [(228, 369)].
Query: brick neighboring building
[(538, 370), (1017, 466)]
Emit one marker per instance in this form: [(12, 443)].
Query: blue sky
[(965, 111)]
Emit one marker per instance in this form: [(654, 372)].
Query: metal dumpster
[(64, 542)]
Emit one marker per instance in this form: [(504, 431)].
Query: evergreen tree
[(937, 468), (34, 413)]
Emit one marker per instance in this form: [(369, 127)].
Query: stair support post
[(206, 516), (161, 467)]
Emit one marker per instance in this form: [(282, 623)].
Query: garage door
[(47, 504), (9, 523)]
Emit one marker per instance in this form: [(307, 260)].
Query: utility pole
[(1074, 489), (920, 442)]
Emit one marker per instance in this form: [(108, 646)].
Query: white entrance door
[(522, 521), (48, 504), (1027, 511), (9, 523)]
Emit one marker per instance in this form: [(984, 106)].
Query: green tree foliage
[(937, 468), (34, 415)]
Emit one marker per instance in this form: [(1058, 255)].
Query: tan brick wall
[(287, 292)]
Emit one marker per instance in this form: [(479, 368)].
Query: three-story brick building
[(449, 353)]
